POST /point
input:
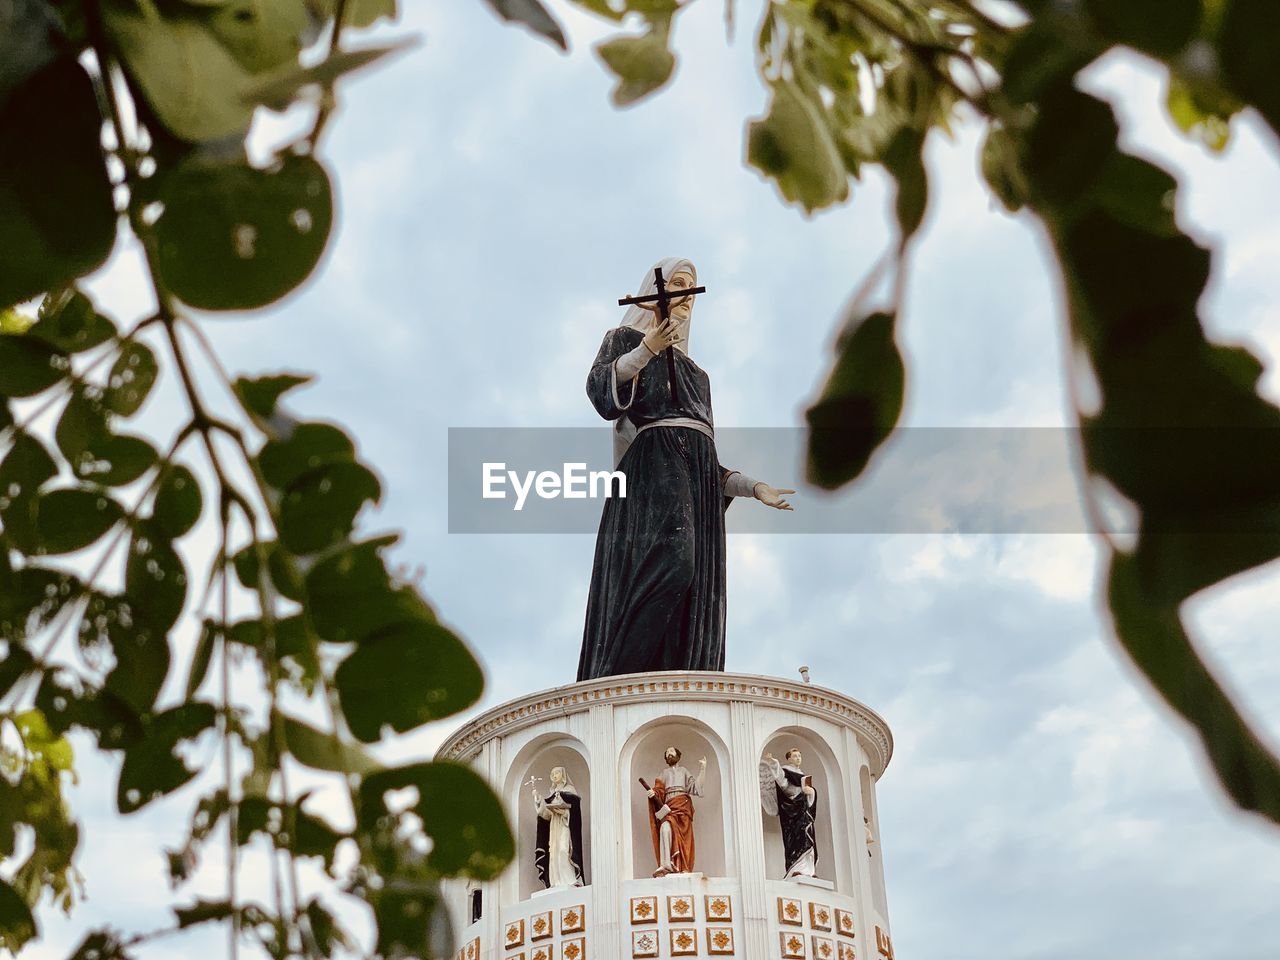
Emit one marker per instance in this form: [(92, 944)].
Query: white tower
[(609, 732)]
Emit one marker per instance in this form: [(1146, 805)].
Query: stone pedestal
[(608, 733)]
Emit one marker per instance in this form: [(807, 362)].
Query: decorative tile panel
[(575, 949), (573, 919), (680, 909), (473, 950), (790, 912), (792, 945), (819, 916), (884, 944), (514, 956), (644, 910), (719, 907), (540, 926), (543, 952), (847, 951), (844, 923), (644, 943), (684, 943), (720, 941), (514, 936), (824, 948)]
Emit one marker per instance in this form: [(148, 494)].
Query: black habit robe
[(798, 820), (657, 598)]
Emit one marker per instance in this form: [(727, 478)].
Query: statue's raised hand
[(773, 496), (662, 335)]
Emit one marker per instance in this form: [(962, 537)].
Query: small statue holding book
[(787, 792)]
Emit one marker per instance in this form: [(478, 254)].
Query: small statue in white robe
[(558, 850)]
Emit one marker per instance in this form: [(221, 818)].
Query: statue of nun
[(787, 793), (657, 597), (558, 851)]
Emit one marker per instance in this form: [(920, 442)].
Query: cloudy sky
[(493, 205)]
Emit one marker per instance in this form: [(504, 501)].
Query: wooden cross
[(663, 299)]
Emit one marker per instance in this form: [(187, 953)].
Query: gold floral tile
[(847, 951), (792, 945), (514, 956), (719, 907), (644, 943), (790, 912), (883, 944), (573, 919), (684, 943), (543, 952), (575, 949), (720, 941), (819, 916), (540, 926), (680, 909), (844, 922), (644, 910), (473, 949), (824, 948), (514, 936)]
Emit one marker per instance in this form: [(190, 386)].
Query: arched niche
[(642, 756), (819, 762), (871, 844), (536, 759)]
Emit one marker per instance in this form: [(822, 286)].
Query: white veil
[(624, 431), (641, 318)]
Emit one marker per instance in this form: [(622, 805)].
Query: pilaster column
[(747, 831), (606, 834)]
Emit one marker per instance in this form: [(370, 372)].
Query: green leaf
[(350, 596), (57, 215), (140, 648), (278, 91), (155, 578), (17, 662), (464, 819), (320, 508), (293, 646), (642, 64), (1044, 54), (203, 655), (29, 366), (324, 751), (358, 13), (203, 911), (1001, 170), (1205, 117), (259, 395), (178, 502), (859, 405), (793, 145), (904, 159), (1152, 634), (151, 768), (101, 945), (235, 238), (533, 15), (69, 322), (25, 468), (1248, 47), (1069, 145), (73, 518), (31, 597), (1137, 193), (308, 447), (1158, 27), (261, 35), (405, 676), (17, 925), (283, 577), (115, 723), (131, 379), (94, 452), (189, 79)]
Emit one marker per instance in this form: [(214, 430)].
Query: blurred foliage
[(1182, 432), (131, 115)]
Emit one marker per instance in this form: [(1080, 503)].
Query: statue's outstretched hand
[(773, 496)]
